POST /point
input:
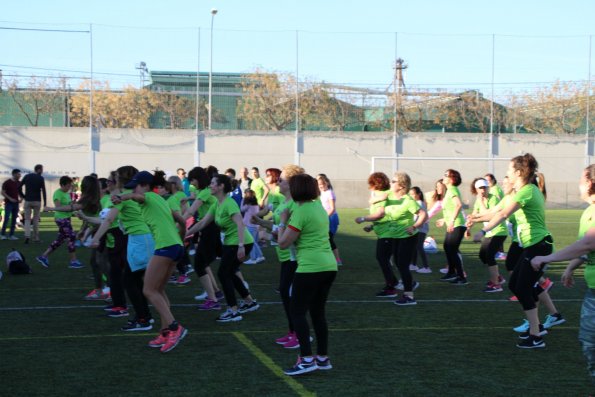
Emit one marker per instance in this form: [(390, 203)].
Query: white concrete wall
[(344, 157)]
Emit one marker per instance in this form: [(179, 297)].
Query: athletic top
[(63, 199), (106, 202), (208, 200), (223, 213), (493, 201), (283, 254), (401, 212), (530, 217), (448, 207), (382, 226), (130, 217), (158, 217), (257, 186), (588, 222), (313, 247), (496, 191)]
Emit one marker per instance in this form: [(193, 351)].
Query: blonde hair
[(292, 170), (402, 179)]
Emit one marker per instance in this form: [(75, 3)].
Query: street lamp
[(142, 68), (213, 13)]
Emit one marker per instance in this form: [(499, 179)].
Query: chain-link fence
[(193, 78)]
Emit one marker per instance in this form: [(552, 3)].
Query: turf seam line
[(270, 364)]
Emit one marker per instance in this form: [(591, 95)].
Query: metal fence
[(347, 81)]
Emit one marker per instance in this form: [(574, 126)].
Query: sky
[(451, 45)]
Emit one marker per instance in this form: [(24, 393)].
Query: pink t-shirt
[(326, 198)]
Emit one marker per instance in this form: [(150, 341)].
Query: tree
[(43, 96), (178, 110), (329, 112)]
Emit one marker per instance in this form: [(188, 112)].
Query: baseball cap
[(481, 183), (143, 177)]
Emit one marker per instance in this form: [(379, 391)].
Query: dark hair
[(437, 196), (539, 181), (125, 174), (65, 180), (38, 167), (212, 171), (256, 169), (231, 171), (275, 173), (326, 181), (590, 175), (90, 195), (102, 183), (526, 165), (200, 175), (418, 191), (225, 181), (454, 176), (16, 171), (473, 189), (180, 169), (303, 188), (250, 197), (158, 179), (490, 178), (379, 181)]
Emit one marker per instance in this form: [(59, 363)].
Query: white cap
[(481, 183)]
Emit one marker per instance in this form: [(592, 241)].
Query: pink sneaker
[(209, 305), (284, 339), (160, 340), (292, 343), (182, 279), (173, 338)]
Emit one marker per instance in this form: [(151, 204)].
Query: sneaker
[(137, 325), (292, 343), (526, 334), (547, 284), (405, 300), (387, 293), (284, 339), (43, 260), (553, 319), (413, 268), (75, 264), (118, 312), (209, 305), (172, 280), (182, 279), (491, 287), (415, 285), (192, 252), (399, 286), (424, 270), (201, 297), (532, 342), (108, 308), (250, 262), (501, 280), (500, 256), (13, 238), (229, 316), (323, 363), (513, 298), (524, 327), (449, 277), (3, 237), (260, 259), (444, 270), (189, 269), (248, 307), (160, 340), (301, 367), (219, 295), (173, 338), (94, 295), (459, 281)]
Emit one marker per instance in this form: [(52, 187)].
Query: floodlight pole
[(92, 161), (491, 140), (297, 100), (197, 134), (587, 124), (213, 13)]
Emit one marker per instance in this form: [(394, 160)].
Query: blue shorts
[(140, 250), (173, 252)]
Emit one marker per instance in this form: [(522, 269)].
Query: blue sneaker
[(43, 260), (553, 319), (302, 367), (524, 327), (75, 265), (323, 363), (405, 300)]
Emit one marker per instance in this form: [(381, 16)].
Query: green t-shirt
[(492, 202), (282, 254), (313, 247), (173, 203), (496, 191), (401, 212), (63, 198), (180, 195), (275, 199), (208, 200), (257, 186), (511, 224), (223, 213), (381, 226), (106, 202), (130, 216), (448, 207), (530, 217), (588, 222), (158, 217)]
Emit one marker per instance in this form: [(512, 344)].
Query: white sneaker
[(400, 286), (201, 297), (424, 270), (413, 268), (250, 262), (444, 270), (3, 237), (13, 238), (260, 259)]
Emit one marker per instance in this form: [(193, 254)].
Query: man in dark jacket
[(34, 192)]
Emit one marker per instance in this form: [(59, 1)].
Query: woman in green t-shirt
[(237, 243), (307, 228), (581, 252), (528, 206), (453, 219)]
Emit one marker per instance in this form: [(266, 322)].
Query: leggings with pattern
[(65, 232)]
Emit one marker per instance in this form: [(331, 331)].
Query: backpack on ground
[(16, 263)]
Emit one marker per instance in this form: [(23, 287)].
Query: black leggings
[(331, 240), (309, 293), (227, 274), (402, 250), (209, 247), (134, 282), (118, 263), (285, 280), (489, 247), (523, 281), (419, 250), (512, 257), (452, 242), (384, 250)]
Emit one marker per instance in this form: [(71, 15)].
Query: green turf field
[(457, 341)]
